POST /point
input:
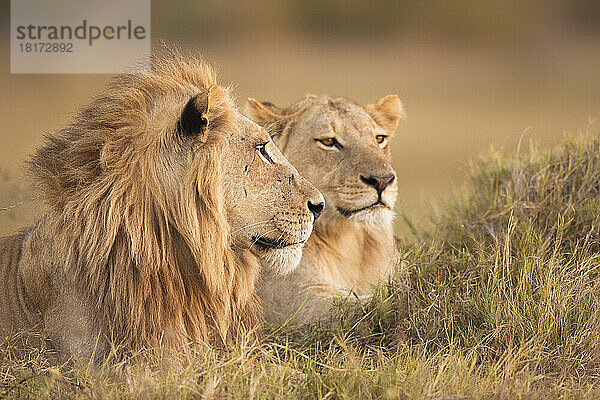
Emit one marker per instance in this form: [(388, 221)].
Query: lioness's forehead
[(341, 115), (334, 104)]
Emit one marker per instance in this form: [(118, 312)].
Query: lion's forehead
[(250, 130)]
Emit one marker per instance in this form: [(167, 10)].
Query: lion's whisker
[(266, 221), (259, 237)]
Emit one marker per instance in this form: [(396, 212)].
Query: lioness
[(344, 149), (163, 200)]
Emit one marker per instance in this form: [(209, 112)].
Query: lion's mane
[(156, 264)]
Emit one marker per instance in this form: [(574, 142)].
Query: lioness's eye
[(262, 151), (329, 142), (381, 140)]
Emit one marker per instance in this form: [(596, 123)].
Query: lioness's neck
[(356, 254)]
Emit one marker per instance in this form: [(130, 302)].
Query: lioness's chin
[(281, 261), (373, 216)]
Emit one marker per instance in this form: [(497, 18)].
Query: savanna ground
[(499, 298)]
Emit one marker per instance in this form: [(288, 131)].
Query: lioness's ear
[(387, 112), (267, 115)]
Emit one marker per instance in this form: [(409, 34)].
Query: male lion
[(163, 200), (343, 149)]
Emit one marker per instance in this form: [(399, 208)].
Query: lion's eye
[(262, 151), (329, 142), (381, 140)]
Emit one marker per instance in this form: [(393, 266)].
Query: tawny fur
[(346, 255), (136, 249)]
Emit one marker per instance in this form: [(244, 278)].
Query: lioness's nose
[(316, 208), (379, 182)]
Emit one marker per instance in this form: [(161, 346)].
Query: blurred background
[(472, 74)]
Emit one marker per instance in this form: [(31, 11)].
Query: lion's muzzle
[(295, 227)]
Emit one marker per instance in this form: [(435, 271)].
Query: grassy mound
[(500, 300), (556, 194)]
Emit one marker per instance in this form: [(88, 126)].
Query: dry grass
[(499, 300), (16, 205)]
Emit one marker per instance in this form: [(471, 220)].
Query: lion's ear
[(194, 119), (387, 112), (267, 115)]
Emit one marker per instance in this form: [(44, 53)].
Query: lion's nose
[(316, 208), (379, 182)]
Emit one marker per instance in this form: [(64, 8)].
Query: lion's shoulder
[(11, 313)]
